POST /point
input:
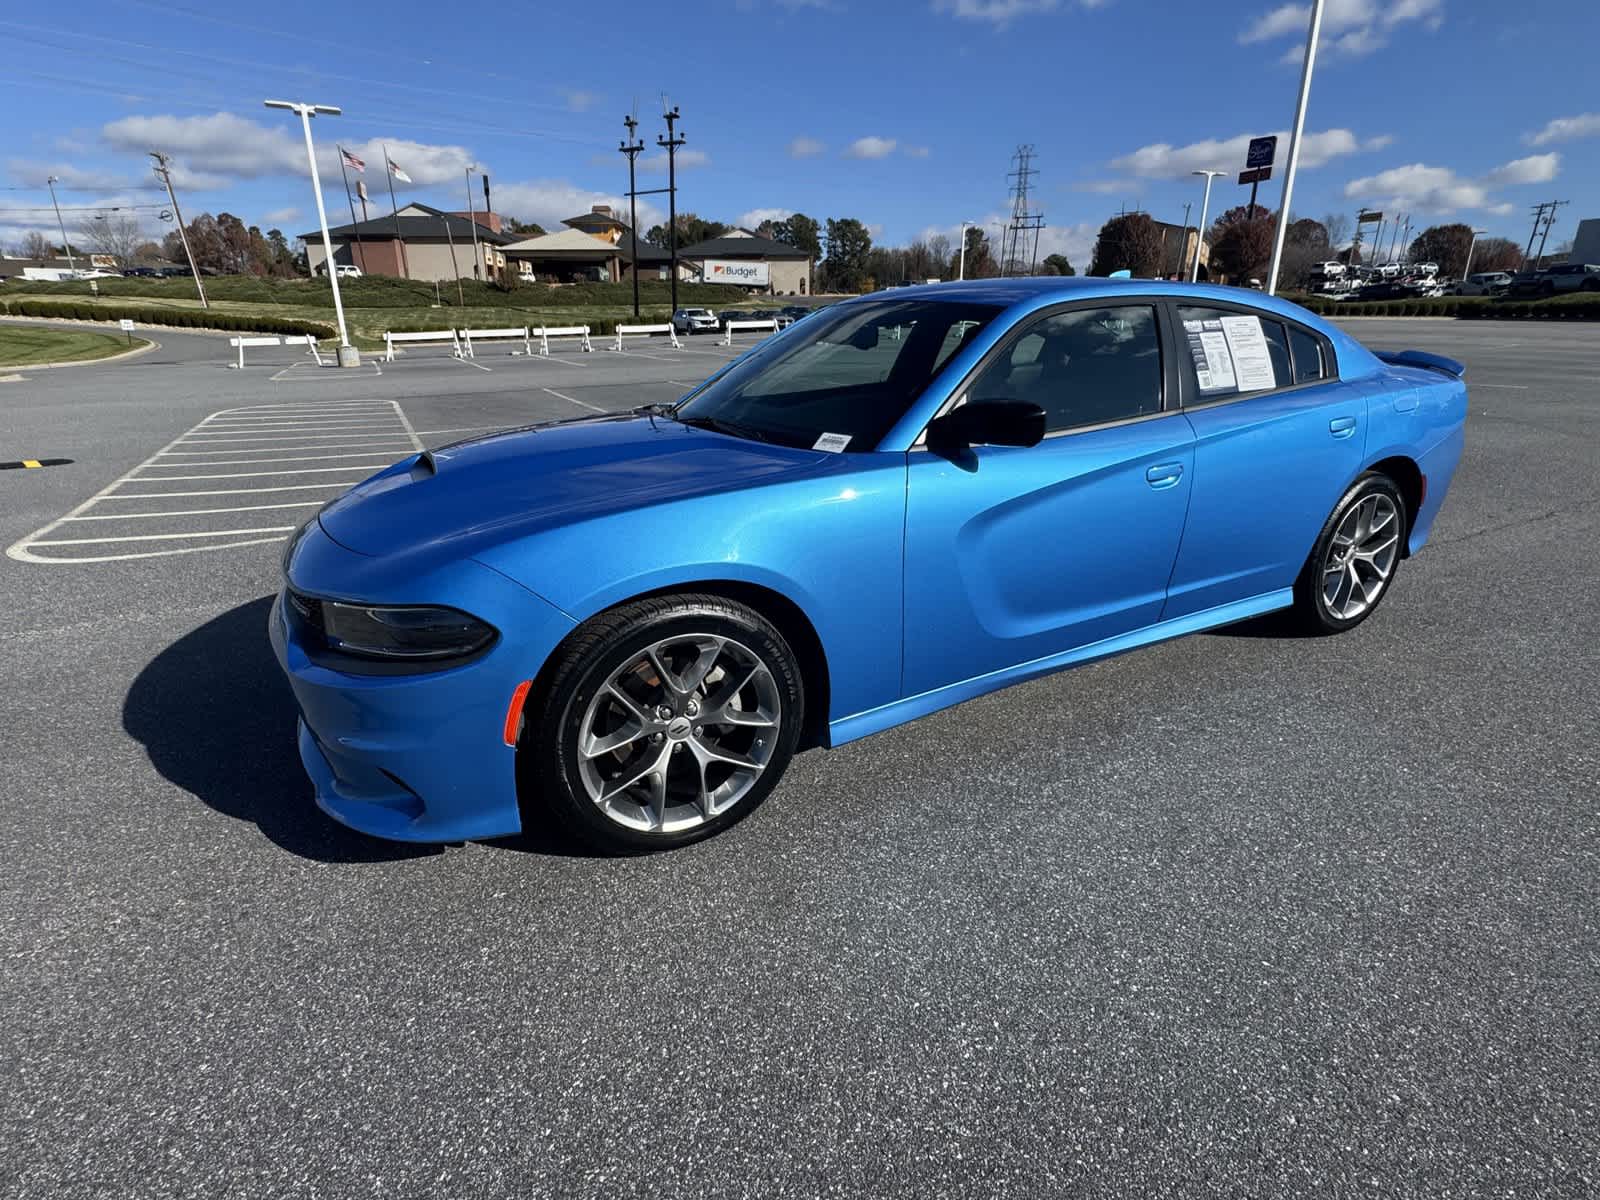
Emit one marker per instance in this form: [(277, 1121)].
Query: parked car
[(1483, 283), (172, 272), (141, 273), (1563, 277), (629, 623), (1392, 289), (695, 320)]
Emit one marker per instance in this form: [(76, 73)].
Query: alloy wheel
[(1361, 557), (679, 733)]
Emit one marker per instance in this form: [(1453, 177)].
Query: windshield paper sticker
[(833, 443), (1251, 361), (1212, 361)]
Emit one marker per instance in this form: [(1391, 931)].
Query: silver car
[(695, 320)]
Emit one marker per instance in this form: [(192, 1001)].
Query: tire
[(691, 775), (1325, 605)]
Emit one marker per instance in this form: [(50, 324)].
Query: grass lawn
[(24, 346)]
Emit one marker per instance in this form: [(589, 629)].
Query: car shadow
[(1279, 625), (217, 718)]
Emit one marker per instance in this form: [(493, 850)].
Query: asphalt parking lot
[(1239, 915)]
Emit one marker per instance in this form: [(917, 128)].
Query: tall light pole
[(472, 219), (1200, 236), (349, 356), (1472, 245), (632, 147), (50, 182), (1294, 145), (961, 270)]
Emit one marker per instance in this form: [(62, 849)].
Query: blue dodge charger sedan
[(629, 623)]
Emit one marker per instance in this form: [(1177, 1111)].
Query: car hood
[(488, 490)]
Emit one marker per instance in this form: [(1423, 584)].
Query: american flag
[(351, 160)]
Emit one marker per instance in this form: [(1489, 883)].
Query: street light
[(1466, 270), (348, 355), (1294, 145), (1200, 233), (50, 182), (472, 219), (961, 271)]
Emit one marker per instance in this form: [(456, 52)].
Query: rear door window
[(1234, 353), (1306, 350)]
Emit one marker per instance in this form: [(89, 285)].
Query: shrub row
[(179, 318), (1569, 308)]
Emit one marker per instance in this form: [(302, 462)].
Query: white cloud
[(1381, 142), (68, 176), (1349, 27), (281, 216), (579, 100), (870, 147), (1536, 168), (755, 216), (1163, 161), (1107, 187), (998, 13), (1566, 129), (211, 150), (805, 147), (1432, 189), (915, 151), (687, 160), (550, 201)]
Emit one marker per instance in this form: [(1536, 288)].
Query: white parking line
[(575, 400), (278, 439)]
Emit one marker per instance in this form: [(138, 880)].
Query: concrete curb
[(149, 344)]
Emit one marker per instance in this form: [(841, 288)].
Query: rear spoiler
[(1421, 358)]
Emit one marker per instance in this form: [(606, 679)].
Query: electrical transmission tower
[(1025, 223)]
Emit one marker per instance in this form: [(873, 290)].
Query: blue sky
[(903, 113)]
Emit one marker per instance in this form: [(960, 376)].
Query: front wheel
[(1355, 557), (666, 721)]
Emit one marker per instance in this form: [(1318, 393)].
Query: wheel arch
[(1407, 476)]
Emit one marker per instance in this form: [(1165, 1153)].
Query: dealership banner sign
[(745, 274)]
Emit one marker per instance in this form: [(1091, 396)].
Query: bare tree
[(1338, 227), (116, 234), (36, 245), (939, 250)]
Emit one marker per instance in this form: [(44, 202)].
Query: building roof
[(607, 219), (564, 243), (647, 252), (430, 227), (741, 244)]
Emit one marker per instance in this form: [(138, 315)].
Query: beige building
[(787, 271), (418, 243)]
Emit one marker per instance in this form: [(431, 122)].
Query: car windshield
[(841, 378)]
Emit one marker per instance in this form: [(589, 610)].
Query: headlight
[(398, 633)]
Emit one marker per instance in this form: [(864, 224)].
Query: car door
[(1277, 439), (1019, 553)]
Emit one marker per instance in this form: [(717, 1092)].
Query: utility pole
[(1549, 220), (1294, 146), (472, 219), (1183, 243), (455, 268), (670, 144), (1205, 204), (633, 147), (163, 168), (50, 182), (348, 355)]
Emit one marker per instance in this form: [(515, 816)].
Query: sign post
[(127, 327), (1258, 161)]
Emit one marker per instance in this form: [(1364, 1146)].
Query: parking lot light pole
[(961, 271), (66, 244), (1471, 246), (1294, 146), (349, 356), (1205, 205), (472, 219)]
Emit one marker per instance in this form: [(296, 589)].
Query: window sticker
[(1213, 361), (1251, 361), (833, 443)]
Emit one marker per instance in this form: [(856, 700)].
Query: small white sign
[(125, 325), (1213, 364), (1251, 360), (833, 443)]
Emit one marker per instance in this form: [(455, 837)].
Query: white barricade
[(771, 323), (647, 329), (311, 345), (487, 335), (242, 342), (436, 336), (547, 332)]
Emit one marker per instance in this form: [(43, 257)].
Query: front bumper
[(414, 757)]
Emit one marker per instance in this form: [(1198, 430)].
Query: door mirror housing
[(989, 423)]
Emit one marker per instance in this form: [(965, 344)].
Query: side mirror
[(989, 423)]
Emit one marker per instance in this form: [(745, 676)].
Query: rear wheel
[(667, 720), (1355, 557)]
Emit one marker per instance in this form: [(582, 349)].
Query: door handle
[(1342, 427), (1164, 475)]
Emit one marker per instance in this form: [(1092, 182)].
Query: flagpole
[(388, 171), (356, 226)]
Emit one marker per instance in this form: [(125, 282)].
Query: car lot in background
[(1486, 283), (1563, 277), (1234, 911)]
